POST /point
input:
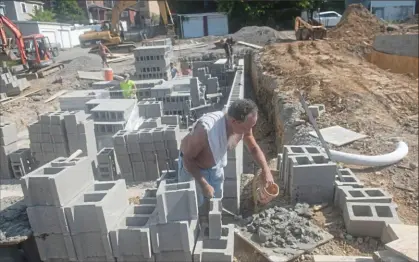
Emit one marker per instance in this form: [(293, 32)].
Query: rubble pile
[(285, 228)]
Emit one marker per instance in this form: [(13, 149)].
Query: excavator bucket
[(8, 55)]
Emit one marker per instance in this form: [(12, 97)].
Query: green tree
[(68, 11), (43, 16)]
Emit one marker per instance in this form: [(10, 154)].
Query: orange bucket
[(108, 73), (266, 194)]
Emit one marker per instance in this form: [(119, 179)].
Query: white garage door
[(65, 39), (217, 25), (193, 27)]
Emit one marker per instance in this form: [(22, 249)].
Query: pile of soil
[(357, 22), (258, 35)]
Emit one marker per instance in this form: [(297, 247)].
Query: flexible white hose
[(380, 160)]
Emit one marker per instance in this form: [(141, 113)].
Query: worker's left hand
[(266, 177)]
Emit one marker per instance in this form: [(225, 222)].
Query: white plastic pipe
[(380, 160)]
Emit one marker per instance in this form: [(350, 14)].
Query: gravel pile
[(14, 223), (284, 228), (258, 35)]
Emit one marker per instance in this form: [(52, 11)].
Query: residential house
[(2, 8), (148, 10), (397, 10), (20, 10), (95, 11)]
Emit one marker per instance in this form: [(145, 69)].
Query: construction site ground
[(357, 94)]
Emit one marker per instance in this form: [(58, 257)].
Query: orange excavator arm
[(6, 22)]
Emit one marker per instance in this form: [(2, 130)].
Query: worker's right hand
[(208, 190)]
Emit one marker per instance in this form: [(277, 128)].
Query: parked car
[(328, 19)]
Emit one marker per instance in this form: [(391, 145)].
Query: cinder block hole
[(313, 150), (297, 149), (345, 172), (106, 150), (321, 107), (144, 209), (383, 211), (302, 160), (215, 244), (319, 159), (348, 179), (136, 221), (362, 211), (52, 170), (374, 193), (94, 197), (150, 193), (103, 186), (179, 186), (355, 193)]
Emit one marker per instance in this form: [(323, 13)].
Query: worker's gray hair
[(241, 109)]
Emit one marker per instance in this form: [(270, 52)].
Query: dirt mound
[(258, 35), (357, 25)]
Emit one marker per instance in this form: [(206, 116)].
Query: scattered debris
[(56, 95), (14, 223), (90, 75)]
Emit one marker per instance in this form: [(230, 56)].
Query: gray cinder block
[(317, 110), (150, 197), (222, 249), (369, 219), (8, 133), (98, 208), (47, 220), (92, 244), (131, 236), (347, 178), (177, 202), (370, 195), (55, 246), (52, 185), (216, 209)]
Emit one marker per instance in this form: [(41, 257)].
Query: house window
[(23, 5)]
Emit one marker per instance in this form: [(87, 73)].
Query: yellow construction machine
[(304, 30), (111, 32)]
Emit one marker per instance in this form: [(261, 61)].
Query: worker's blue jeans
[(214, 177)]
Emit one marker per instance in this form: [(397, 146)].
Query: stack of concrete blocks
[(47, 191), (122, 155), (150, 109), (151, 123), (203, 75), (111, 115), (8, 144), (22, 162), (218, 69), (176, 217), (76, 99), (152, 62), (196, 65), (366, 211), (307, 174), (48, 137), (178, 103), (107, 165), (92, 215), (80, 132), (144, 87), (215, 243), (11, 86), (172, 120), (234, 168)]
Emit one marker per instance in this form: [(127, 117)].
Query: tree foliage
[(68, 11), (43, 16)]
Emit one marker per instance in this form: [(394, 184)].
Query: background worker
[(128, 87), (203, 152), (103, 53), (173, 70)]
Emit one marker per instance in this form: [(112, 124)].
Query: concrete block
[(311, 178), (369, 219), (146, 136), (35, 137), (98, 208), (52, 185), (214, 217), (47, 220), (120, 137), (231, 187), (370, 195), (92, 244), (150, 197), (131, 236), (8, 133), (347, 178), (177, 202), (170, 120), (56, 246), (152, 170), (133, 142), (231, 204), (222, 249), (172, 256), (316, 110), (322, 258), (163, 235), (172, 133), (72, 119), (387, 256), (46, 138)]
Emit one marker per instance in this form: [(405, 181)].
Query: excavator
[(35, 51), (304, 30), (111, 33)]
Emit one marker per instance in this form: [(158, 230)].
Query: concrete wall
[(393, 10), (403, 45)]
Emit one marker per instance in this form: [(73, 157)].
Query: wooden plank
[(120, 59), (91, 75), (5, 99), (249, 45), (184, 47), (20, 97), (56, 95)]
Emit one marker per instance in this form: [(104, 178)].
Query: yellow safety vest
[(127, 88)]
